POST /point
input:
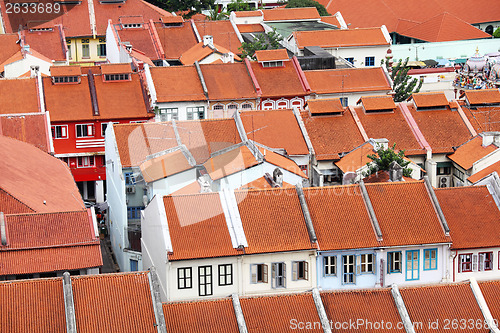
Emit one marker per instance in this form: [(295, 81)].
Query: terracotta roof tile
[(115, 68), (383, 177), (443, 129), (271, 55), (272, 220), (392, 126), (491, 294), (176, 40), (200, 52), (277, 313), (335, 81), (164, 166), (11, 205), (260, 184), (356, 158), (187, 88), (484, 96), (197, 233), (222, 32), (282, 162), (140, 39), (198, 317), (73, 70), (374, 103), (192, 188), (444, 27), (275, 129), (340, 218), (430, 99), (49, 43), (291, 14), (483, 119), (470, 152), (340, 38), (485, 172), (249, 13), (463, 208), (287, 76), (229, 81), (325, 106), (113, 302), (243, 28), (38, 180), (32, 305), (347, 306), (401, 221), (9, 46), (332, 135), (18, 96), (29, 128), (230, 162), (442, 303)]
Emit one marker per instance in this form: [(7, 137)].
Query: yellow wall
[(76, 46)]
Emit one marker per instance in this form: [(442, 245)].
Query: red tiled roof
[(222, 32), (229, 81), (18, 96), (430, 99), (331, 135), (483, 119), (356, 158), (49, 43), (230, 162), (374, 103), (273, 220), (249, 13), (113, 302), (485, 172), (277, 313), (491, 294), (201, 316), (197, 233), (11, 205), (187, 85), (349, 306), (176, 40), (9, 46), (282, 162), (200, 52), (140, 39), (402, 221), (275, 129), (340, 38), (383, 177), (470, 152), (32, 305), (340, 218), (115, 68), (29, 128), (325, 106), (192, 188), (443, 129), (291, 14), (392, 126), (444, 27), (242, 28), (271, 55), (484, 96), (287, 76), (442, 303), (472, 215), (164, 166), (73, 70), (260, 184), (335, 81), (38, 180)]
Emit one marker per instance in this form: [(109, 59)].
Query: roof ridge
[(394, 183), (460, 187), (46, 213), (54, 246), (104, 276), (13, 197)]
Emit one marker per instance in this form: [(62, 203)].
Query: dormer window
[(65, 79), (272, 58), (132, 25), (278, 63), (430, 101), (65, 74), (40, 29), (116, 72), (117, 77), (377, 104)]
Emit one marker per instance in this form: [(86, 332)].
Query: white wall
[(479, 275), (182, 108), (172, 183), (486, 161), (20, 67), (353, 97)]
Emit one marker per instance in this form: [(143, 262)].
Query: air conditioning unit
[(444, 182), (131, 189)]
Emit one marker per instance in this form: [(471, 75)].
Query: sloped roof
[(282, 162), (30, 304), (9, 46), (29, 128), (11, 205), (287, 76), (176, 40), (291, 14), (113, 302), (346, 306), (340, 38), (271, 55), (275, 129), (485, 172), (325, 106), (230, 162), (491, 293), (443, 28), (483, 119), (383, 177), (272, 220), (140, 39), (430, 99), (198, 317), (249, 13), (200, 52), (187, 85), (402, 221), (470, 152), (482, 96), (18, 96), (335, 81), (164, 166), (38, 180), (243, 28), (261, 183), (381, 102), (472, 216), (332, 135), (356, 158), (49, 43), (197, 233), (340, 218), (222, 32), (276, 313), (229, 81)]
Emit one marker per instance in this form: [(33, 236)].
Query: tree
[(384, 157), (496, 33), (308, 3), (238, 6), (267, 41), (190, 7), (217, 14), (402, 86)]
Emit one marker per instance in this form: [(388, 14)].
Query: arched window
[(489, 29), (282, 104), (231, 108), (268, 105), (296, 102), (246, 106)]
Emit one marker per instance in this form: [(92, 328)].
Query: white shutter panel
[(264, 273), (294, 270), (284, 275), (474, 262), (357, 264), (481, 261), (89, 130), (306, 270), (273, 275), (253, 273), (63, 131), (460, 262)]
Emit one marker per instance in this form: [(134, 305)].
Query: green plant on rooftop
[(496, 33), (217, 14), (266, 41), (402, 83), (384, 157), (189, 7), (308, 3), (239, 6)]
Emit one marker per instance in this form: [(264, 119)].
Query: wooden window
[(349, 269), (330, 265), (394, 262), (258, 273), (278, 275), (300, 270), (367, 263), (430, 259), (205, 281), (184, 278), (60, 131), (225, 275)]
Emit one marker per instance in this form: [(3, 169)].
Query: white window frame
[(167, 114), (365, 263), (89, 128), (268, 104), (64, 131), (194, 112), (349, 269), (278, 280), (329, 264), (282, 104), (254, 273), (300, 270), (103, 130), (87, 161)]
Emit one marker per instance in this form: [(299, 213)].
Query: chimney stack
[(278, 177), (395, 172), (491, 138), (208, 40)]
